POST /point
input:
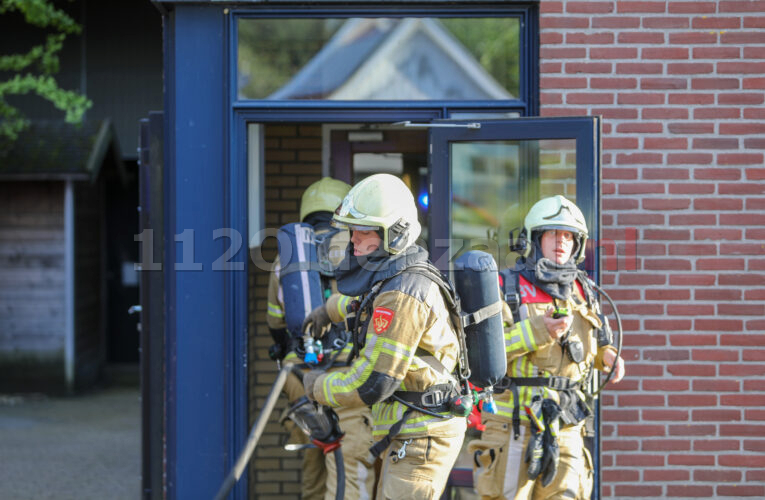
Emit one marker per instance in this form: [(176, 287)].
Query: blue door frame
[(204, 410)]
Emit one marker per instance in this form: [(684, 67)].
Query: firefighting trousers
[(500, 471), (421, 470)]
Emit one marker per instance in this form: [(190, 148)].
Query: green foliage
[(32, 72), (494, 42), (271, 51)]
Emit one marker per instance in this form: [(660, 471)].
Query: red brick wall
[(680, 86)]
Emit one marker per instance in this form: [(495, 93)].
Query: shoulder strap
[(584, 281), (510, 288), (358, 329), (452, 300)]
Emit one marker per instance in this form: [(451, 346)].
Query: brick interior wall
[(292, 163), (680, 86)]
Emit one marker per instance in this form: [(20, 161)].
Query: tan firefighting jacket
[(411, 343)]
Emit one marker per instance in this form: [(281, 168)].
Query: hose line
[(619, 343)]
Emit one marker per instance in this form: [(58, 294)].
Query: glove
[(317, 320), (309, 379), (281, 345), (534, 453), (550, 458), (551, 452)]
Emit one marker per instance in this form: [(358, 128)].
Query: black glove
[(551, 451), (534, 453), (317, 320), (282, 343)]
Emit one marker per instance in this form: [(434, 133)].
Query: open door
[(484, 177)]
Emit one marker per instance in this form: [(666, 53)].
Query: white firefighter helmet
[(324, 195), (555, 212), (381, 202)]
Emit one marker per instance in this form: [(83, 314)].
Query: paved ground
[(81, 447)]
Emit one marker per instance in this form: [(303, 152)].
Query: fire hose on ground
[(320, 423)]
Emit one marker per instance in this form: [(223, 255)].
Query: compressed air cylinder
[(477, 283), (299, 275)]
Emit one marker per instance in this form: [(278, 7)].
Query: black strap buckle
[(514, 301), (560, 383), (433, 398)]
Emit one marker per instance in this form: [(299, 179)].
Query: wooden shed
[(52, 264)]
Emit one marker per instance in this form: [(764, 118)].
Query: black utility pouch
[(574, 350)]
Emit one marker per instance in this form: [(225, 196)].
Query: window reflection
[(494, 183), (379, 59)]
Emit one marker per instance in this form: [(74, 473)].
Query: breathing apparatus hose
[(619, 329), (340, 466)]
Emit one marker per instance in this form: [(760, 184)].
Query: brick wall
[(681, 88), (292, 163)]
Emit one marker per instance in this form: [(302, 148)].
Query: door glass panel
[(379, 58), (495, 182)]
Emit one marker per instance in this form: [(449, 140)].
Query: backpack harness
[(439, 397)]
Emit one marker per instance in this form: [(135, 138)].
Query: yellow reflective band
[(520, 338), (275, 310), (528, 335), (328, 396), (342, 306)]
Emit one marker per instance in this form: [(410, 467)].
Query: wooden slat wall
[(32, 302)]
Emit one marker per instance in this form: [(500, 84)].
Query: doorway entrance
[(473, 182), (358, 152)]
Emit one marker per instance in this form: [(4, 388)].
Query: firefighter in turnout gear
[(533, 447), (407, 344), (319, 480)]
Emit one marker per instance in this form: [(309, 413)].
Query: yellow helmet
[(556, 212), (324, 195), (381, 201)]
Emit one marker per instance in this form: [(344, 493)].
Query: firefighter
[(319, 480), (407, 344), (555, 334)]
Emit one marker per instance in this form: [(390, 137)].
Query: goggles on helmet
[(353, 227), (348, 211)]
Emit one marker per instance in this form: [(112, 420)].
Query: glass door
[(485, 175)]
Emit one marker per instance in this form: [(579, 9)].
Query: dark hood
[(554, 279), (356, 275)]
